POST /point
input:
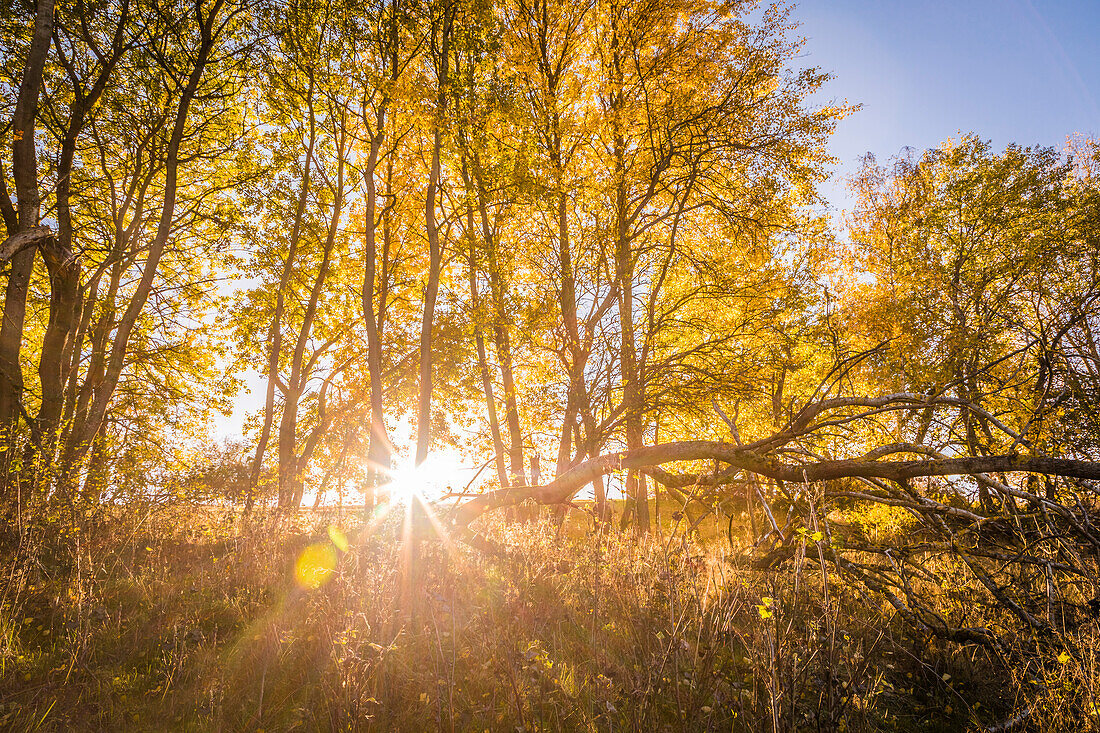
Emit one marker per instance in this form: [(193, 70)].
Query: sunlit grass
[(332, 621)]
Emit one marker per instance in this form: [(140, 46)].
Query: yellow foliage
[(879, 519)]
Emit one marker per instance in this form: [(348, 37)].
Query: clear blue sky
[(1025, 71)]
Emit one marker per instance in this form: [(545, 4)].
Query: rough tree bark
[(23, 231)]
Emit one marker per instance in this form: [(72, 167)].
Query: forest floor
[(189, 619)]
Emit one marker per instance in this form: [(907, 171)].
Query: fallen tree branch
[(563, 488)]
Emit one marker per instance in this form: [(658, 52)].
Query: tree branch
[(29, 237), (565, 486)]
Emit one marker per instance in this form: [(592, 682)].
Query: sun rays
[(431, 479)]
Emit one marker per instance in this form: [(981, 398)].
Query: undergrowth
[(197, 620)]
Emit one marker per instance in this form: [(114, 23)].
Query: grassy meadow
[(193, 619)]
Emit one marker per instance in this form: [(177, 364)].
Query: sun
[(437, 476)]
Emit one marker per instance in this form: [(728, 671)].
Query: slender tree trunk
[(565, 445), (97, 362), (624, 276), (290, 464), (435, 251), (431, 292), (324, 422), (483, 362), (275, 334), (65, 306), (574, 353), (565, 441), (588, 449), (498, 295), (11, 339), (72, 365), (378, 446), (24, 153), (624, 267), (511, 407)]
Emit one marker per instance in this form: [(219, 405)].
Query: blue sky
[(1024, 71)]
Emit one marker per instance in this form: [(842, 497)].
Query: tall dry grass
[(192, 619)]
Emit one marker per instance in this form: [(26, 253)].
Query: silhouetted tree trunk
[(378, 447), (501, 321)]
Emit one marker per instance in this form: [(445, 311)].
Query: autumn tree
[(131, 53)]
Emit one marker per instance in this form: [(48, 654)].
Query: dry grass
[(192, 620)]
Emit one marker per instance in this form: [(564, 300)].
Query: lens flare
[(316, 565), (338, 538)]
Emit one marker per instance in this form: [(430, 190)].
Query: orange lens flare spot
[(315, 566)]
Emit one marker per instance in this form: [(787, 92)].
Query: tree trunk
[(435, 252), (483, 362), (632, 401), (567, 302), (378, 446), (11, 341), (24, 217), (624, 276), (275, 334), (498, 295), (65, 305), (290, 465)]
